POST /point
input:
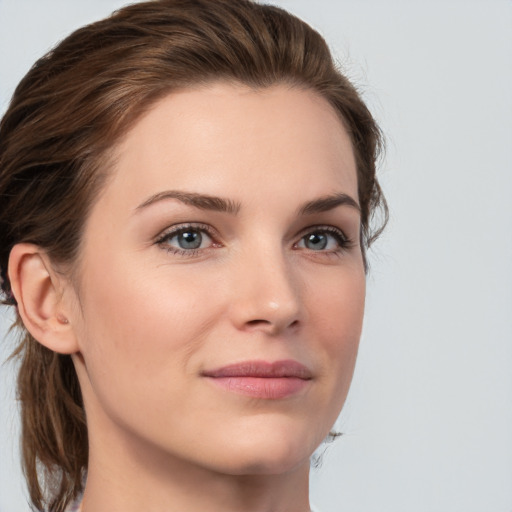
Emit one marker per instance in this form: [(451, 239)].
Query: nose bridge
[(267, 289)]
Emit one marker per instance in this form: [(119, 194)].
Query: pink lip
[(262, 379)]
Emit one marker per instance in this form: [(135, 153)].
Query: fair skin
[(271, 273)]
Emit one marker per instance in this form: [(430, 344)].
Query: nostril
[(257, 322), (268, 324)]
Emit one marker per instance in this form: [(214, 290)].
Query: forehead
[(225, 138)]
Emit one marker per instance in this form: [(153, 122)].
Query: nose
[(266, 293)]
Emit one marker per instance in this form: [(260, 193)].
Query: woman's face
[(221, 289)]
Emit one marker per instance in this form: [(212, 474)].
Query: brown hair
[(68, 112)]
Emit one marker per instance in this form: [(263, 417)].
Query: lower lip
[(270, 388)]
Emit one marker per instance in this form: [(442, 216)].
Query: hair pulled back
[(55, 138)]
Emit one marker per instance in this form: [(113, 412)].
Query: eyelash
[(183, 228), (343, 242)]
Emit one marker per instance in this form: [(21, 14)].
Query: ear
[(39, 293)]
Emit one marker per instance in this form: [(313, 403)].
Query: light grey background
[(428, 422)]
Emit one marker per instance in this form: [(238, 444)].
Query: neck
[(124, 475)]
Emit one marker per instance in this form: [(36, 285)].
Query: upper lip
[(262, 369)]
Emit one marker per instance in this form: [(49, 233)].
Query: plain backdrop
[(428, 421)]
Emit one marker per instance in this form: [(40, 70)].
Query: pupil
[(190, 240), (316, 241)]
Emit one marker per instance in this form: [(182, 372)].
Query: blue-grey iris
[(316, 241), (190, 239)]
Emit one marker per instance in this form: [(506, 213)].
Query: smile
[(260, 379)]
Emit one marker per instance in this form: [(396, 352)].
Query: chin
[(266, 464), (269, 451)]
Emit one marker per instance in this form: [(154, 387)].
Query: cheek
[(337, 301), (338, 310), (143, 328), (142, 338)]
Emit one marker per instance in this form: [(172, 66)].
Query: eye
[(186, 240), (326, 239), (189, 239)]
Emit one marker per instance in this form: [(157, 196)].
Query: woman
[(187, 189)]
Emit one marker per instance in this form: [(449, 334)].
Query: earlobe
[(38, 291)]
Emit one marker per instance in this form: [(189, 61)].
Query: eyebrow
[(218, 204), (326, 203), (201, 201)]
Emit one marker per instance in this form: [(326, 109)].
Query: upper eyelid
[(172, 230), (323, 227)]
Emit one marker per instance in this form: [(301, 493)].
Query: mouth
[(261, 379)]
